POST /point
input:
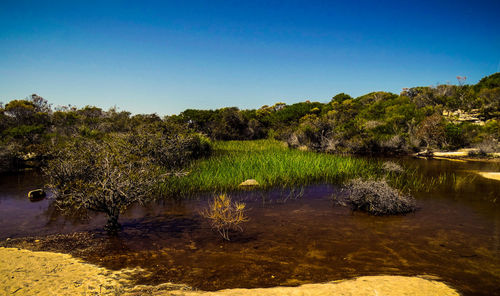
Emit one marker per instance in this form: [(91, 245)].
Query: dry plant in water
[(225, 215), (378, 198)]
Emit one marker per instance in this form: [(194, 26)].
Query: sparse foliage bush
[(392, 167), (432, 131), (487, 146), (225, 215), (377, 197), (103, 176)]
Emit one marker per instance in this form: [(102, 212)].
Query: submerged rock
[(249, 182)]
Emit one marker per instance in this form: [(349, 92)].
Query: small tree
[(103, 176), (431, 131)]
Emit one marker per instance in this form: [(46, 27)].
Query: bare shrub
[(293, 141), (488, 146), (102, 176), (395, 144), (225, 215), (378, 198), (431, 131), (392, 167), (330, 144), (372, 124)]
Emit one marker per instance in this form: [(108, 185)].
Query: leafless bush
[(372, 124), (330, 144), (293, 141), (395, 144), (488, 146), (378, 198), (392, 167), (102, 176), (225, 215)]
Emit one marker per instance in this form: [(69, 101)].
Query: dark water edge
[(291, 238)]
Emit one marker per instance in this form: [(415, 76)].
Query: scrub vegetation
[(445, 117), (378, 198), (106, 160), (105, 176), (419, 118)]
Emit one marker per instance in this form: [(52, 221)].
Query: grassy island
[(272, 164)]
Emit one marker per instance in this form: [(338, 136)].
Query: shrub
[(225, 215), (487, 146), (432, 131), (392, 167), (396, 144), (378, 198), (169, 150), (102, 176)]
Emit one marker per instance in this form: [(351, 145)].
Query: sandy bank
[(25, 272), (490, 175), (461, 155)]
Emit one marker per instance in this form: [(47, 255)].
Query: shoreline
[(46, 273), (462, 155)]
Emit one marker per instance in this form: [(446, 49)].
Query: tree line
[(440, 117), (437, 117)]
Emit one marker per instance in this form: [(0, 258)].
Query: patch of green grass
[(272, 164)]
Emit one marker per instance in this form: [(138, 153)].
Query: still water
[(292, 237)]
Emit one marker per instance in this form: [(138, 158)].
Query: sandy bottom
[(25, 272)]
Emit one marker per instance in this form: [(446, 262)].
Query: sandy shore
[(490, 175), (462, 155), (25, 272)]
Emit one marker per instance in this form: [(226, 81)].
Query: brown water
[(289, 240)]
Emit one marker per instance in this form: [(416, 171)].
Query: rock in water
[(250, 182), (37, 194)]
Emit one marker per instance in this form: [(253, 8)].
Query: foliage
[(169, 147), (378, 198), (489, 102), (491, 81), (375, 123), (225, 215)]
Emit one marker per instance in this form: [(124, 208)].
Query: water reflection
[(293, 237)]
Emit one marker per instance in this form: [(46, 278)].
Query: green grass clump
[(272, 164)]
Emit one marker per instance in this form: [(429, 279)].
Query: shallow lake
[(293, 236)]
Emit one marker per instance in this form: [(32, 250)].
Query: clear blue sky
[(166, 56)]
